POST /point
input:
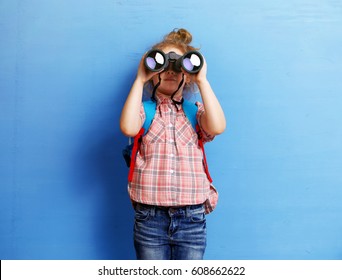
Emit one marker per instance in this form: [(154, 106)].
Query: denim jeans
[(162, 233)]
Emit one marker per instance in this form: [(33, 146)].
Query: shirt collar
[(167, 100)]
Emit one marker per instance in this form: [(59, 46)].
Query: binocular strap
[(155, 89), (173, 94)]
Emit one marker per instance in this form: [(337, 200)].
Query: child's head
[(177, 41)]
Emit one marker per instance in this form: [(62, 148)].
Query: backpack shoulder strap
[(190, 109), (150, 111), (201, 145)]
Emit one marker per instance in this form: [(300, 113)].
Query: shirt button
[(172, 155), (170, 125), (172, 171)]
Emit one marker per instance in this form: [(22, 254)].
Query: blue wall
[(65, 70)]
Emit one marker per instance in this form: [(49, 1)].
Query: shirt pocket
[(156, 132), (184, 133)]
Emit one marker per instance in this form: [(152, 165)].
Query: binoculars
[(156, 60)]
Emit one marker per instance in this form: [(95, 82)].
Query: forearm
[(213, 120), (130, 121)]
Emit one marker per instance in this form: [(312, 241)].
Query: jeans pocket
[(198, 216), (142, 213)]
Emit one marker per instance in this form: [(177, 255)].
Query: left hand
[(199, 77)]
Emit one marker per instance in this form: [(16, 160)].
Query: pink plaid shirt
[(169, 165)]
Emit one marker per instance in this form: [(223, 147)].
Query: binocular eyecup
[(156, 60)]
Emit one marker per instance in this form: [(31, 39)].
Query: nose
[(170, 68)]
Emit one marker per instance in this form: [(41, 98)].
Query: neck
[(177, 96)]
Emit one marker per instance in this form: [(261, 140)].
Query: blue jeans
[(162, 233)]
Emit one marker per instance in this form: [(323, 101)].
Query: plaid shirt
[(169, 166)]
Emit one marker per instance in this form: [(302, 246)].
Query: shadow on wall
[(105, 178)]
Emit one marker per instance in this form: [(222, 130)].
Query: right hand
[(143, 74)]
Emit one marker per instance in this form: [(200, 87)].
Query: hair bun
[(180, 36)]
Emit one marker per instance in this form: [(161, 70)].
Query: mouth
[(170, 79)]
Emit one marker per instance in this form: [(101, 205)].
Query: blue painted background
[(65, 70)]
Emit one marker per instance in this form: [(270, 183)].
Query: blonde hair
[(180, 39)]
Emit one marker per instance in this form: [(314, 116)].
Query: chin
[(167, 92)]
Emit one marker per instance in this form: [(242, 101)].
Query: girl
[(170, 190)]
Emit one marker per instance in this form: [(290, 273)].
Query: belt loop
[(188, 211), (152, 211)]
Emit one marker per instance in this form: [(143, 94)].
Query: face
[(170, 79)]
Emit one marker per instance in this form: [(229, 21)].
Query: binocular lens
[(155, 60), (192, 62)]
